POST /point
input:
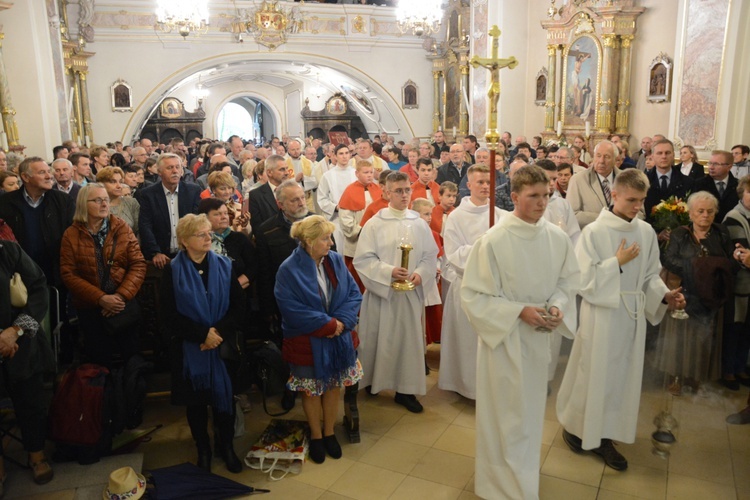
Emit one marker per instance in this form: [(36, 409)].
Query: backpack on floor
[(81, 414)]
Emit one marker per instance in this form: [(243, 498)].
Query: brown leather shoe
[(41, 471)]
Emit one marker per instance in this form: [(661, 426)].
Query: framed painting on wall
[(409, 98), (660, 79), (582, 79), (122, 96)]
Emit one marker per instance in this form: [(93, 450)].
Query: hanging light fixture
[(421, 17), (200, 92), (184, 16), (317, 90)]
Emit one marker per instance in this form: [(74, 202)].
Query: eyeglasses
[(716, 164), (99, 201), (203, 236)]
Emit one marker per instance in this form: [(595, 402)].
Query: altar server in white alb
[(621, 290), (332, 185), (391, 347), (518, 291), (462, 228), (562, 215)]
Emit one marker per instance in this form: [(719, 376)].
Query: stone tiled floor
[(432, 455)]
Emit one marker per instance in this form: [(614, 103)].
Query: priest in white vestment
[(621, 289), (391, 347), (463, 227), (365, 152), (521, 277), (332, 185), (560, 213), (301, 169)]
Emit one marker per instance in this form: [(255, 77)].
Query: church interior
[(100, 71)]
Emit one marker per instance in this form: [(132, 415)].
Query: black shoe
[(409, 401), (573, 441), (317, 451), (611, 456), (369, 392), (332, 446), (204, 459), (426, 368), (732, 385), (231, 460), (288, 399)]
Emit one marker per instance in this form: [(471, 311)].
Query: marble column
[(463, 124), (549, 112), (86, 112), (6, 103), (604, 118), (444, 100), (623, 94), (436, 100)]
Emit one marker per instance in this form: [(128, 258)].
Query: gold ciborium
[(404, 285), (405, 239)]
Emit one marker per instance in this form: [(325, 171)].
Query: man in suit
[(591, 191), (455, 169), (62, 170), (665, 179), (263, 203), (720, 182), (162, 205)]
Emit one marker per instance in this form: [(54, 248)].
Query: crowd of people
[(355, 257)]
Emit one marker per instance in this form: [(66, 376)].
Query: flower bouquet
[(670, 213)]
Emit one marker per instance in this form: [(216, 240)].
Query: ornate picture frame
[(122, 96), (541, 87), (409, 95), (171, 107), (660, 79), (582, 74), (336, 105)]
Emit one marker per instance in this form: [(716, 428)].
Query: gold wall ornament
[(584, 24), (270, 24), (358, 24)]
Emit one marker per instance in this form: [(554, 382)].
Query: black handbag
[(270, 372), (129, 317), (232, 352)]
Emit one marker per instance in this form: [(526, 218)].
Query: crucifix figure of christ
[(494, 64)]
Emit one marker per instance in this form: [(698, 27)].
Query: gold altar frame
[(571, 122)]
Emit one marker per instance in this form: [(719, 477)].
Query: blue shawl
[(303, 310), (204, 369)]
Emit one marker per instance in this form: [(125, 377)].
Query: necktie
[(607, 192), (720, 186), (663, 182)]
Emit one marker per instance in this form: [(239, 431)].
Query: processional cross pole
[(494, 64)]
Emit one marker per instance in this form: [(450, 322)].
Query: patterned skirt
[(303, 379)]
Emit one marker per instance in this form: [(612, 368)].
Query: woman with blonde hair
[(222, 186), (689, 164), (124, 207), (319, 303), (202, 304), (99, 159)]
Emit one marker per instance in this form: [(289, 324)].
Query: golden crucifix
[(494, 64)]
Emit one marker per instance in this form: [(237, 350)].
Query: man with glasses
[(720, 182), (391, 345), (162, 205)]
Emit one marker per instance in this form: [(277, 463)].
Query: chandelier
[(421, 17), (184, 16), (200, 92)]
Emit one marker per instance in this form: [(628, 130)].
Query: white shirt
[(174, 216)]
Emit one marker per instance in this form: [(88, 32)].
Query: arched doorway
[(245, 116)]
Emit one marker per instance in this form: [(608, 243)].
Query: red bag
[(6, 233), (79, 414)]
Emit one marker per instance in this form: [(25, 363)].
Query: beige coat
[(586, 197)]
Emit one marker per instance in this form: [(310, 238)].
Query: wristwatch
[(19, 331)]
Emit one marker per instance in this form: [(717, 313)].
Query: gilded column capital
[(551, 50), (609, 40), (465, 69), (626, 41)]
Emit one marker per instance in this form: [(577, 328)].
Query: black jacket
[(263, 206), (273, 244), (153, 221), (58, 209), (448, 172), (679, 186), (696, 171)]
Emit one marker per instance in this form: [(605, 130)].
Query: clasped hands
[(8, 345), (112, 304), (535, 316), (401, 273), (675, 299), (742, 255), (339, 330), (213, 340)]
